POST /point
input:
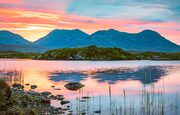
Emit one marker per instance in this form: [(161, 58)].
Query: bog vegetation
[(91, 53), (99, 53)]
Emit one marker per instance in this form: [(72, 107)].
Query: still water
[(114, 87)]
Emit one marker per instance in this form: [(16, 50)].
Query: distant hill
[(101, 53), (62, 39), (14, 54), (14, 42), (21, 48), (146, 40), (7, 37)]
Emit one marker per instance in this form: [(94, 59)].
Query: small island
[(100, 53), (91, 53)]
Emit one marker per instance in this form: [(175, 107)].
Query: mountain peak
[(9, 34), (113, 30), (55, 30), (149, 31), (5, 32), (77, 30), (64, 30)]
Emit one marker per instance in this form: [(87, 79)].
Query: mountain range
[(147, 40)]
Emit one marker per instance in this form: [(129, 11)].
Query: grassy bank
[(91, 53), (158, 56), (12, 54), (87, 53), (99, 53)]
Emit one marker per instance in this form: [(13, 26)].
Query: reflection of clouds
[(145, 75)]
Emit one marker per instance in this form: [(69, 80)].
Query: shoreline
[(81, 60)]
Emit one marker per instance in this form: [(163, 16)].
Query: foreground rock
[(73, 86), (16, 101)]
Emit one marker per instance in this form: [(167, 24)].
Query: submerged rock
[(97, 111), (27, 84), (33, 86), (83, 100), (86, 97), (63, 102), (73, 86)]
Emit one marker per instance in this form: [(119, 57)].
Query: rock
[(73, 86), (17, 102), (65, 109), (27, 84), (58, 97), (97, 111), (83, 113), (63, 102), (46, 93), (53, 86), (86, 97), (18, 86), (83, 100), (45, 101), (33, 86), (68, 106)]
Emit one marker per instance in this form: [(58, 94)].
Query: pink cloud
[(10, 1)]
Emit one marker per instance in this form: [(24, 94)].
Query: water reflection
[(98, 78), (68, 77), (145, 75), (12, 76)]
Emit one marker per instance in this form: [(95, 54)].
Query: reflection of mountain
[(145, 75), (73, 76)]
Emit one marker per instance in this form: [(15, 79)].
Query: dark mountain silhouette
[(7, 37), (14, 42), (62, 39), (146, 40)]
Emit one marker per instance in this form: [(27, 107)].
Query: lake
[(111, 87)]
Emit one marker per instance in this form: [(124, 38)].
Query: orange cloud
[(10, 1)]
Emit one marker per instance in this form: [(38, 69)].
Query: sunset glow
[(33, 19)]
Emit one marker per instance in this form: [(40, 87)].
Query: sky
[(33, 19)]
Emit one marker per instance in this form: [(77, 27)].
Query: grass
[(91, 53), (152, 102), (13, 54)]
